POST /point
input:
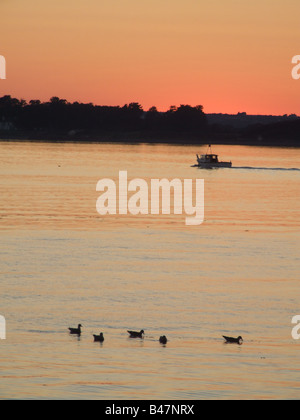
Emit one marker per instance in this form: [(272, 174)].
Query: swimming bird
[(98, 338), (238, 340), (76, 331), (135, 334), (163, 339)]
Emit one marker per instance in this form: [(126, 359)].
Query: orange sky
[(227, 55)]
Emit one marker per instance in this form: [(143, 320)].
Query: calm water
[(61, 264)]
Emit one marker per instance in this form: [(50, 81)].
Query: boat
[(210, 160)]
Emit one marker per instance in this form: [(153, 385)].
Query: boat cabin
[(209, 158)]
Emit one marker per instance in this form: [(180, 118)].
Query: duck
[(76, 331), (237, 340), (98, 338), (136, 334), (163, 339)]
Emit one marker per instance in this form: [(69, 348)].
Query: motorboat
[(210, 160)]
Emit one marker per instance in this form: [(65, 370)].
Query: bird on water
[(238, 340), (163, 339), (98, 338), (136, 334), (76, 331)]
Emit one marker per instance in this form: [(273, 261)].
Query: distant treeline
[(62, 115), (59, 119)]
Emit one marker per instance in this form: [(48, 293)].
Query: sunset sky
[(228, 55)]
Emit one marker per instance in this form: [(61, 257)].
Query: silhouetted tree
[(35, 102), (185, 118)]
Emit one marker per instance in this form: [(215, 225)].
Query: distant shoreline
[(138, 138), (61, 121)]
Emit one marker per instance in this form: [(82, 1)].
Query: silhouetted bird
[(163, 339), (135, 334), (99, 338), (76, 331), (238, 340)]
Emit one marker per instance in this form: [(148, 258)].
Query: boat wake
[(265, 169), (252, 168)]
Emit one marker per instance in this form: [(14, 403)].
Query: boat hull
[(210, 165)]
